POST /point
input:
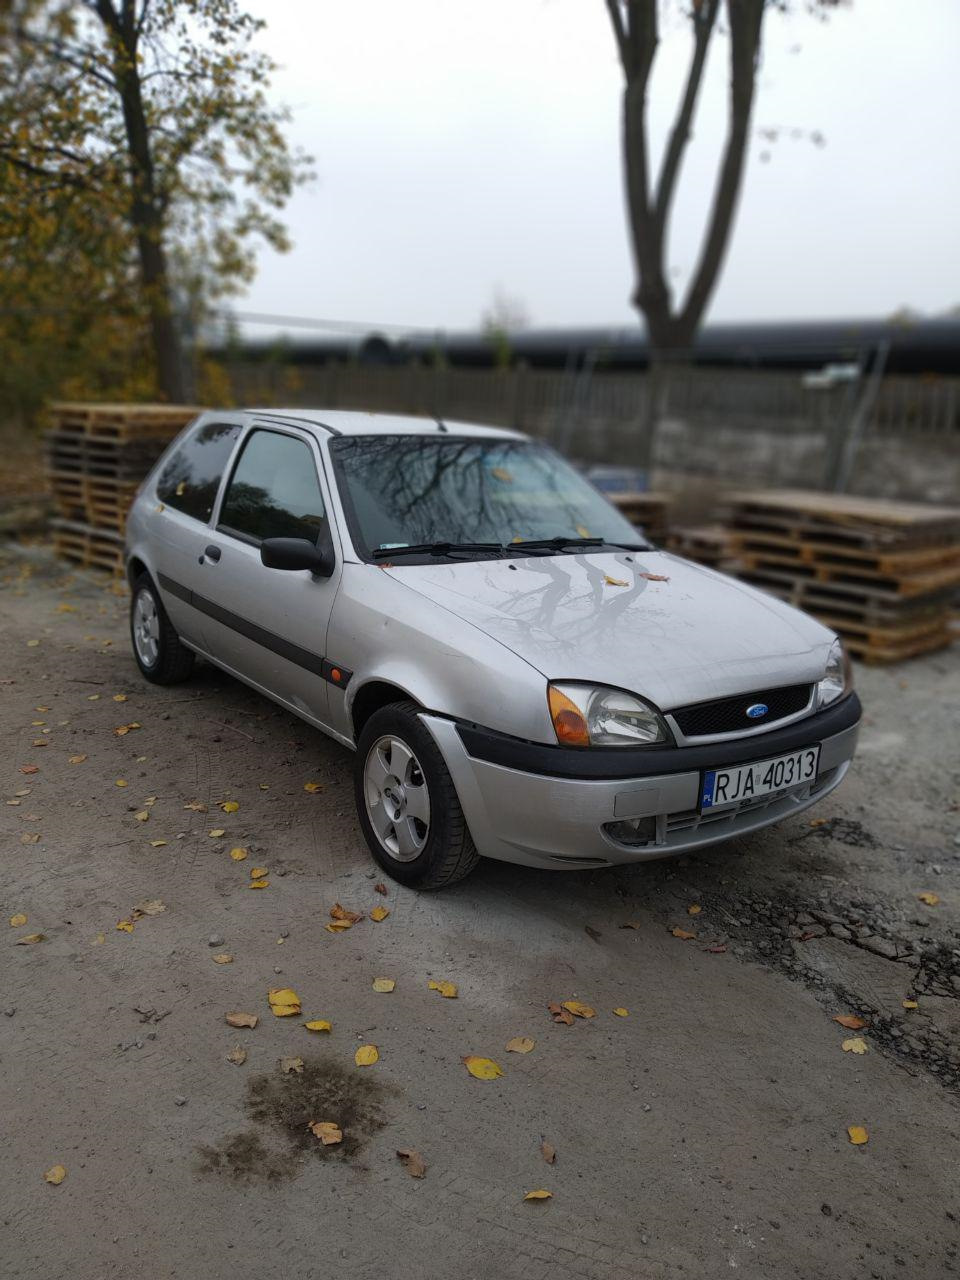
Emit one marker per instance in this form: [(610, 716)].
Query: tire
[(430, 846), (161, 657)]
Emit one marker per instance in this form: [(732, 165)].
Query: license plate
[(724, 787)]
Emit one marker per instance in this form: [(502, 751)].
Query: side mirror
[(296, 553)]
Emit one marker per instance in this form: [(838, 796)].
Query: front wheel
[(158, 650), (407, 804)]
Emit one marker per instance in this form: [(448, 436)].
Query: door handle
[(210, 553)]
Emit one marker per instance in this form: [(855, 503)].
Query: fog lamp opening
[(632, 832)]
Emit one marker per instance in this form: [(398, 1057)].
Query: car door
[(270, 625), (186, 489)]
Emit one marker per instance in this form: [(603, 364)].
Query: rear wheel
[(158, 650), (407, 804)]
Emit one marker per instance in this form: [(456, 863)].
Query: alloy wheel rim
[(397, 799), (146, 628)]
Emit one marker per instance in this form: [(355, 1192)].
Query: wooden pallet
[(839, 518), (87, 545), (854, 576), (121, 421), (883, 653), (84, 455), (648, 510), (810, 551), (710, 545)]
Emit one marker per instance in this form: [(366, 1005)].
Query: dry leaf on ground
[(909, 1004), (196, 806), (541, 1194), (150, 907), (482, 1068), (339, 926), (366, 1055), (855, 1045), (413, 1162), (328, 1132), (224, 957), (579, 1010), (850, 1021), (143, 815), (548, 1152), (30, 938), (257, 873), (31, 837), (124, 729), (560, 1014), (383, 984), (216, 832), (238, 854), (76, 759), (631, 924), (29, 768), (621, 1012), (380, 887), (694, 909), (337, 912), (125, 926), (157, 844), (684, 934), (313, 787), (259, 884), (18, 920), (288, 1065), (121, 782), (241, 1019), (447, 989), (931, 899), (379, 913), (237, 1055), (284, 1001), (318, 1024), (229, 806), (857, 1135), (520, 1044), (55, 1175)]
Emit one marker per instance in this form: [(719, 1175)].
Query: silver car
[(520, 674)]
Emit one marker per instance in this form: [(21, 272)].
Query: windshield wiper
[(433, 549), (553, 544)]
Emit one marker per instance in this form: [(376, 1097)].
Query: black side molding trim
[(631, 762), (259, 635)]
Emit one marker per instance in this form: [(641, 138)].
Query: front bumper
[(528, 803)]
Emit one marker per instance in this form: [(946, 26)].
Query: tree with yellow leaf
[(137, 141)]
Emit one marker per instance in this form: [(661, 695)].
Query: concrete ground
[(703, 1134)]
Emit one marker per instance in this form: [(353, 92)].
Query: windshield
[(403, 491)]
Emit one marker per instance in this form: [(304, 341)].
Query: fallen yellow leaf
[(93, 697), (383, 984), (31, 837), (341, 913), (284, 1001), (258, 884), (857, 1135), (684, 934), (229, 806), (519, 1044), (257, 873), (196, 807), (379, 913), (238, 854), (548, 1152), (18, 920), (338, 926), (909, 1004), (694, 909), (447, 989), (614, 582), (121, 782), (55, 1175), (318, 1024), (157, 844), (561, 1015), (850, 1021), (413, 1162), (622, 1013), (855, 1045), (931, 899), (125, 926), (237, 1055), (366, 1055), (99, 940), (313, 787), (143, 815), (328, 1133), (224, 957), (241, 1019), (217, 832), (578, 1010), (482, 1068), (30, 937), (294, 1065), (123, 729), (541, 1194), (119, 697), (76, 759)]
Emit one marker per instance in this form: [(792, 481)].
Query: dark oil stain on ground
[(283, 1105)]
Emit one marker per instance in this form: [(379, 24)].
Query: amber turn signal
[(568, 722)]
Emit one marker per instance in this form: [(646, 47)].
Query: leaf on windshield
[(502, 473)]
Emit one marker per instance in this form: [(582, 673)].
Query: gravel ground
[(702, 1134)]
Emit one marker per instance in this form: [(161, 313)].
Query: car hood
[(605, 617)]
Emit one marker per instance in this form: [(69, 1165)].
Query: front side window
[(410, 490), (191, 477), (274, 491)]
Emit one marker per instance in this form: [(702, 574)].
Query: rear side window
[(191, 477), (274, 491)]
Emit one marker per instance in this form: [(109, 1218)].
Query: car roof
[(349, 422)]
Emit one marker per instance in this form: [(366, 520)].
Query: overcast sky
[(464, 147)]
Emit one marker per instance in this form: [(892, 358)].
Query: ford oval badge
[(757, 710)]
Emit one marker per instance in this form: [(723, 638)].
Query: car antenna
[(441, 425)]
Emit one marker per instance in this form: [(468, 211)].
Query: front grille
[(727, 715)]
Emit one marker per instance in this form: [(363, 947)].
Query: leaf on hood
[(17, 921), (548, 1152), (684, 934), (379, 913), (76, 759), (30, 938), (284, 1001), (341, 913), (614, 582), (383, 985), (520, 1044), (150, 907), (412, 1161), (238, 854), (366, 1055), (560, 1014), (538, 1195), (652, 577), (482, 1068), (380, 887), (55, 1175), (850, 1021), (241, 1019), (857, 1135), (313, 787), (931, 899), (856, 1044), (579, 1010), (291, 1066), (237, 1055), (229, 806), (328, 1132), (318, 1024), (447, 989)]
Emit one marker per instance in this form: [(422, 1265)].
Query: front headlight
[(589, 715), (838, 678)]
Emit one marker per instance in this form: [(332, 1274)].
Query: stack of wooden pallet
[(708, 544), (97, 455), (882, 574), (650, 511)]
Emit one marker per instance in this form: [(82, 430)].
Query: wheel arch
[(373, 695)]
